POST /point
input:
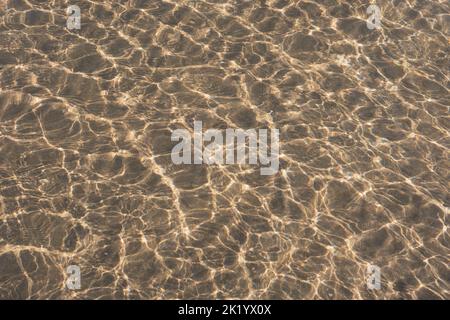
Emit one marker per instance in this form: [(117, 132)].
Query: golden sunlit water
[(86, 176)]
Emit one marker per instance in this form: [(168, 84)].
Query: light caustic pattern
[(86, 177)]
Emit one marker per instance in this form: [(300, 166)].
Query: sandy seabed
[(86, 176)]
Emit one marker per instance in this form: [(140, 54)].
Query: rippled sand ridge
[(86, 176)]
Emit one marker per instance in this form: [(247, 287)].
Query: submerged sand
[(86, 176)]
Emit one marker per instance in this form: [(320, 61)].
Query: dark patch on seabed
[(86, 176)]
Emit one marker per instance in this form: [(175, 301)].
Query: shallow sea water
[(86, 176)]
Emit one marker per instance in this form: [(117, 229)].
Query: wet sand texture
[(86, 176)]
